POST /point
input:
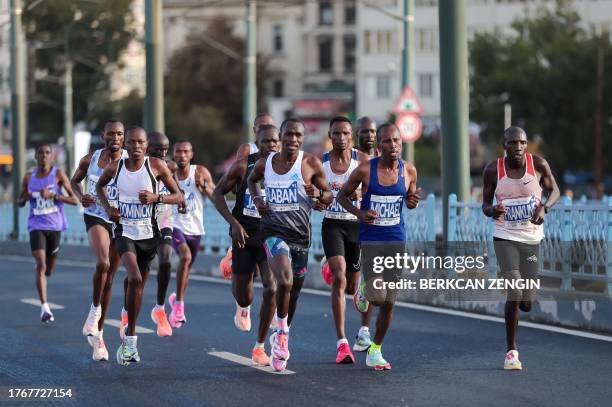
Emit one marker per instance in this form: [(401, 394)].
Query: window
[(426, 85), (349, 53), (367, 38), (326, 13), (325, 53), (383, 87), (380, 42), (279, 88), (277, 37), (350, 12), (427, 40)]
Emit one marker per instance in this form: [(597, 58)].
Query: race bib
[(335, 210), (43, 206), (388, 208), (111, 190), (282, 196), (519, 211), (134, 213), (248, 207)]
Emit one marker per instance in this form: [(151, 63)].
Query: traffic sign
[(408, 102), (410, 126)]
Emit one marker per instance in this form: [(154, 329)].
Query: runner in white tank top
[(517, 182), (137, 234), (340, 232), (188, 220), (99, 231)]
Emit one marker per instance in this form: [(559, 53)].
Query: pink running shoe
[(280, 349), (159, 317), (327, 274), (177, 315), (124, 323)]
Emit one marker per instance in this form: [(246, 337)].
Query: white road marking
[(117, 324), (36, 303), (241, 360)]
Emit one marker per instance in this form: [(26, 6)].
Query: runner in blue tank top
[(293, 180), (386, 182), (42, 187)]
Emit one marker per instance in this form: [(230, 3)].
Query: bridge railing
[(577, 247)]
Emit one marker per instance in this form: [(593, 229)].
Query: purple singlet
[(45, 214)]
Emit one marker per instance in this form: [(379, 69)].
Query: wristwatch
[(546, 208), (321, 194), (160, 199)]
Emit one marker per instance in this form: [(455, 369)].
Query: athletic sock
[(375, 348), (131, 341), (181, 303), (158, 307), (341, 341), (97, 309), (282, 323), (258, 345), (364, 329), (45, 307)]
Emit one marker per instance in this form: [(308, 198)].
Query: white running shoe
[(242, 319), (100, 352), (127, 352), (90, 328), (512, 362)]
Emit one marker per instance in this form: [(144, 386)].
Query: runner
[(517, 181), (292, 179), (247, 149), (99, 231), (366, 136), (158, 148), (340, 231), (194, 181), (42, 187), (137, 234), (247, 248), (386, 181)]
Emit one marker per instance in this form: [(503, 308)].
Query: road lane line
[(241, 360), (117, 324), (36, 303)]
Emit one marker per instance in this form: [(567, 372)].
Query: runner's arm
[(549, 188), (349, 187), (322, 191), (227, 183), (165, 175), (489, 182), (25, 195), (253, 180), (204, 181), (106, 177), (69, 199)]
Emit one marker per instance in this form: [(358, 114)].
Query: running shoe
[(375, 359), (124, 323), (344, 355), (90, 328), (225, 266), (100, 352), (47, 317), (158, 315), (259, 357), (512, 362), (242, 319), (327, 274), (273, 324), (280, 351), (177, 315), (359, 299), (127, 352), (362, 341)]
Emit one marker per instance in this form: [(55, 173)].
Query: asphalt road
[(438, 359)]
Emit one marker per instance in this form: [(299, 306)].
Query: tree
[(546, 71), (203, 89), (90, 33)]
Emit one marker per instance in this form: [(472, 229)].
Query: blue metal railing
[(577, 244)]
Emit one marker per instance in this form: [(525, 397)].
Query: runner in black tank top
[(248, 253)]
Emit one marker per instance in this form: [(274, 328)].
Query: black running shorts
[(47, 240), (91, 221), (166, 236), (341, 238), (145, 250), (245, 260), (513, 256)]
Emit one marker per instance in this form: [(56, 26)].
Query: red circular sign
[(410, 126)]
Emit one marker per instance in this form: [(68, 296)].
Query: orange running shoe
[(124, 323), (259, 357), (158, 315)]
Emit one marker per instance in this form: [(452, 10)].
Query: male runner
[(42, 187), (366, 136), (137, 234), (247, 149), (158, 148), (247, 248), (293, 179), (340, 229), (385, 181), (517, 181), (193, 181), (99, 230)]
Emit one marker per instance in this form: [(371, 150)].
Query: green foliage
[(92, 34), (547, 72), (203, 88)]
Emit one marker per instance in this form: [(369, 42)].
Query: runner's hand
[(46, 194), (412, 199), (182, 207), (368, 216), (319, 206), (311, 190), (114, 214), (498, 211), (87, 200), (147, 197), (538, 215), (261, 204), (239, 235)]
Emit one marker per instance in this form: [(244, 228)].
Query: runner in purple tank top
[(42, 187)]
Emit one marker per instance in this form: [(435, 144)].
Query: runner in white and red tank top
[(517, 181)]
